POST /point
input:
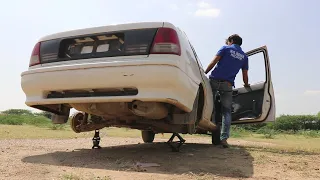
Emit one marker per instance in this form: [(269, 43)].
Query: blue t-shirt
[(232, 60)]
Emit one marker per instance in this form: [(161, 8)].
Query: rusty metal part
[(62, 116), (92, 127), (82, 122), (107, 110), (156, 125), (149, 110), (59, 119)]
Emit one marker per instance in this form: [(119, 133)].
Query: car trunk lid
[(108, 41)]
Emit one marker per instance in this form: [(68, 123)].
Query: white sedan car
[(143, 76)]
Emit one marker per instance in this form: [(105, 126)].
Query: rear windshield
[(111, 44)]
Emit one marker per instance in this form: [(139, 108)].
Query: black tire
[(76, 120), (147, 136), (216, 136)]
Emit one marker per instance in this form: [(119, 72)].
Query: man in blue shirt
[(228, 60)]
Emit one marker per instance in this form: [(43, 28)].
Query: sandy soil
[(198, 159)]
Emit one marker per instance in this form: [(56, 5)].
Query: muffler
[(149, 110)]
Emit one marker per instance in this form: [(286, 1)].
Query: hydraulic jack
[(96, 140)]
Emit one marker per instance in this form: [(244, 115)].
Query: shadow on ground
[(196, 158)]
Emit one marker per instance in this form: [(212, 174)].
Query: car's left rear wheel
[(147, 136), (76, 121)]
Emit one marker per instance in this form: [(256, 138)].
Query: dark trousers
[(225, 90)]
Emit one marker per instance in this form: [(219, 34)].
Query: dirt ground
[(74, 159)]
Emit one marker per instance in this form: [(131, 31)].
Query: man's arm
[(216, 59), (245, 68), (213, 63), (245, 77)]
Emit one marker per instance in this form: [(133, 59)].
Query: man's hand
[(212, 64)]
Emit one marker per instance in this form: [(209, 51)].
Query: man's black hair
[(235, 38)]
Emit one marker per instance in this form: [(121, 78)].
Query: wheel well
[(201, 102)]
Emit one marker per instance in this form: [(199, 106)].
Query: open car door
[(256, 103)]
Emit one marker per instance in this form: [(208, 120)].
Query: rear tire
[(216, 136), (76, 121), (147, 136)]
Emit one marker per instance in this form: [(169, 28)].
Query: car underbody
[(157, 117), (149, 117)]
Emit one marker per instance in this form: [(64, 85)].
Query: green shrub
[(251, 127), (287, 122), (10, 119), (17, 112), (24, 119), (37, 121), (297, 122), (306, 125), (238, 131), (44, 113), (309, 133), (268, 132)]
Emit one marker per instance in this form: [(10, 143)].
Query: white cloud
[(206, 10), (174, 7), (312, 92), (190, 4), (212, 12), (204, 5)]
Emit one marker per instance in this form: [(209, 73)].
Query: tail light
[(35, 56), (166, 41)]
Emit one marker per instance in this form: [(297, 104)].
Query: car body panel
[(153, 80)]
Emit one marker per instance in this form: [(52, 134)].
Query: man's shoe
[(224, 143)]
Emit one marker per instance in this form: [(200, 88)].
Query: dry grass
[(289, 143), (77, 177), (250, 157), (33, 132), (281, 143)]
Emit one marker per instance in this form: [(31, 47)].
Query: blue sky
[(289, 28)]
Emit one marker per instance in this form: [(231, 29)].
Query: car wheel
[(75, 121), (147, 136), (216, 136)]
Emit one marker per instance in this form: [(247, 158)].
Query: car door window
[(256, 72)]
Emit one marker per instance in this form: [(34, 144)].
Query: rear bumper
[(155, 82)]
